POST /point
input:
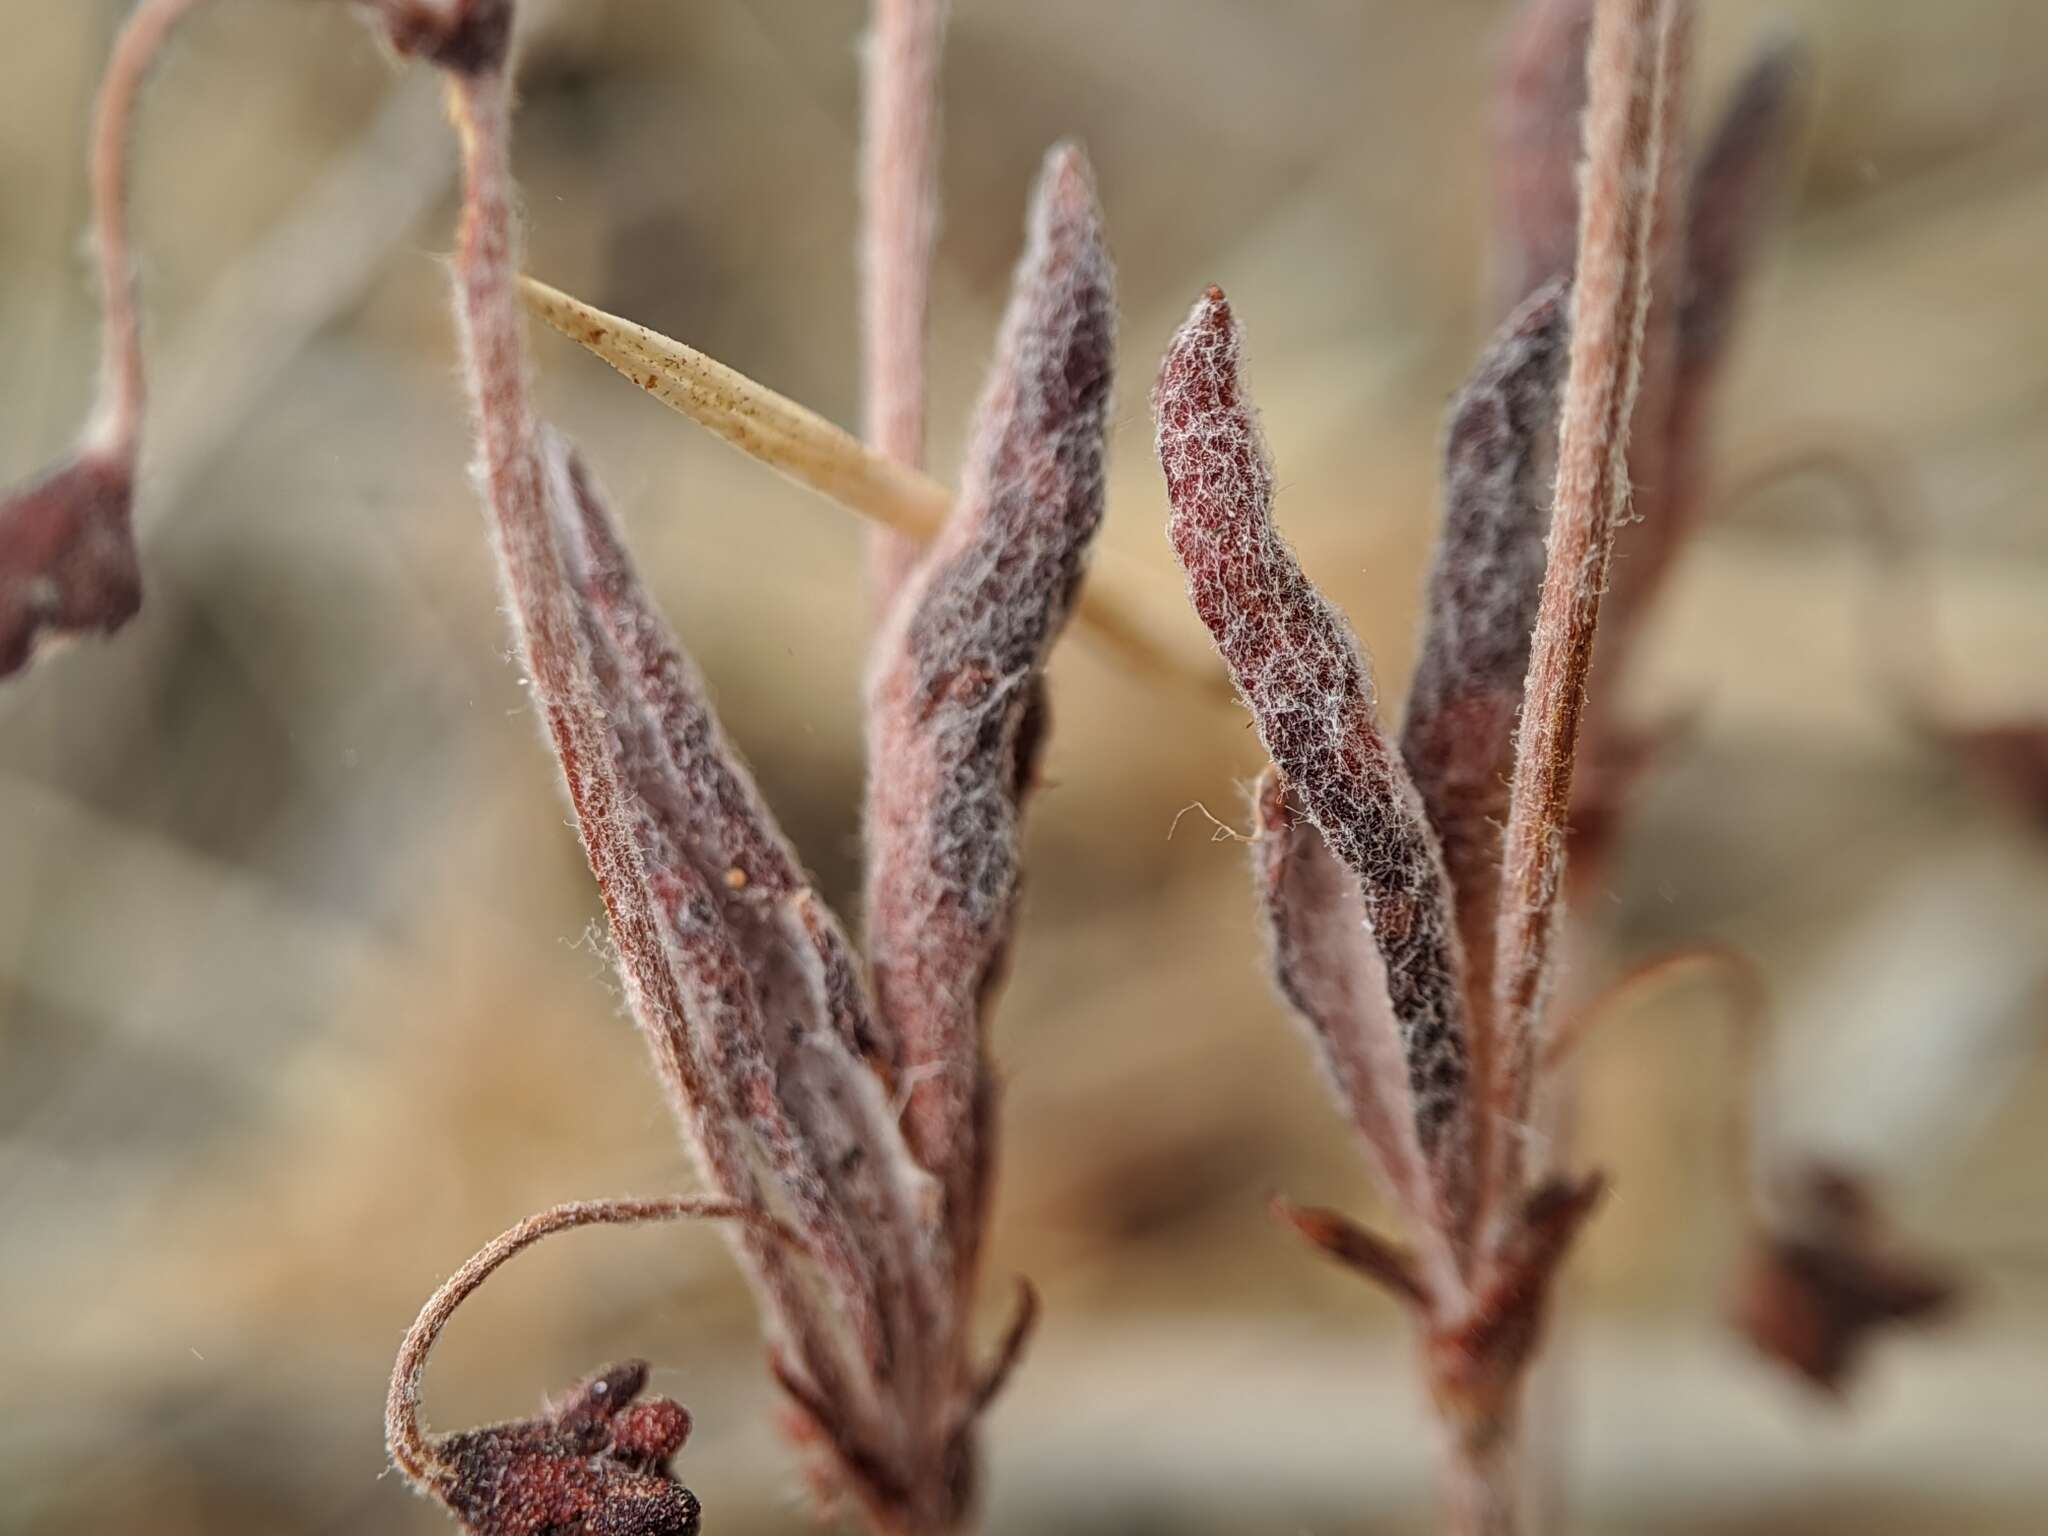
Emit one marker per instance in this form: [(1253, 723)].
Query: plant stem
[(405, 1439), (1482, 1481), (1633, 44), (117, 421), (899, 219)]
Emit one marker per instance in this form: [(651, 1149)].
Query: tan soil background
[(298, 995)]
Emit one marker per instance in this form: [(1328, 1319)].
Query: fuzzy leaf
[(956, 707), (1459, 735), (1335, 980), (1299, 670)]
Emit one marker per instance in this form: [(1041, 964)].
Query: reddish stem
[(1633, 43), (402, 1433), (899, 192), (116, 427)]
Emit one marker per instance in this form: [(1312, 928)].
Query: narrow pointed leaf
[(956, 709), (1300, 672), (1458, 737)]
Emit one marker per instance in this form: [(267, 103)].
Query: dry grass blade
[(803, 446), (789, 438)]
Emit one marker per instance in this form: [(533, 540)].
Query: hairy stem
[(1631, 52), (899, 196), (403, 1435), (117, 424)]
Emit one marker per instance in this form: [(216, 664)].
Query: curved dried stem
[(117, 423), (403, 1436), (68, 563), (1010, 1351), (1876, 482), (1748, 999)]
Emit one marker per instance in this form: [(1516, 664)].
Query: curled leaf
[(1299, 670)]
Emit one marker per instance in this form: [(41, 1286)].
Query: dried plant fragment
[(597, 1461), (68, 563), (899, 221), (956, 703), (1386, 1264), (1814, 1293), (67, 556), (1299, 670), (1458, 736), (788, 437)]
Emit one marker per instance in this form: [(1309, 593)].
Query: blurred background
[(301, 997)]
